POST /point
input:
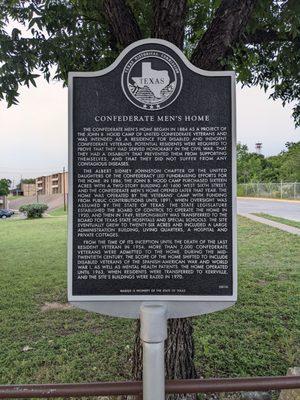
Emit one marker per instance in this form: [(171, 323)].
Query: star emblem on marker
[(151, 107)]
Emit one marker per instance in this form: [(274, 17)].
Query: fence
[(279, 190), (135, 388)]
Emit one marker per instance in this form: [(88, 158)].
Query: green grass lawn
[(258, 336), (14, 197), (58, 212), (285, 221)]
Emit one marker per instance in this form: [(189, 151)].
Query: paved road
[(284, 209)]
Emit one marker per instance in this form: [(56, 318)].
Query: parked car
[(6, 213)]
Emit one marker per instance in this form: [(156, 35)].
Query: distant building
[(15, 192), (258, 147), (28, 189), (52, 184)]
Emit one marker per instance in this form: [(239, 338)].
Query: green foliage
[(285, 221), (252, 167), (200, 14), (28, 180), (4, 187), (272, 60), (249, 165), (73, 35), (58, 212), (61, 36), (290, 167), (33, 210)]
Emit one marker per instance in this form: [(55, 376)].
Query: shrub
[(33, 210)]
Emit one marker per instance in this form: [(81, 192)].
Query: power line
[(7, 168), (28, 171)]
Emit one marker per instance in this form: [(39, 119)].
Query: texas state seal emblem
[(151, 80)]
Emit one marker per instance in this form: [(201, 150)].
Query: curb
[(268, 199)]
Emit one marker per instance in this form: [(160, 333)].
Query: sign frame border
[(129, 305)]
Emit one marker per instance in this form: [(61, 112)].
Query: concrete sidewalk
[(278, 225), (288, 209)]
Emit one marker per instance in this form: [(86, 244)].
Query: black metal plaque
[(152, 179)]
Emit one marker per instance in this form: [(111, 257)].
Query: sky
[(34, 133)]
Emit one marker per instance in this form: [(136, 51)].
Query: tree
[(258, 39), (249, 165), (242, 156), (26, 181), (289, 170), (33, 210), (4, 187), (253, 167)]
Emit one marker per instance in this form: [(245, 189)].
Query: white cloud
[(260, 119)]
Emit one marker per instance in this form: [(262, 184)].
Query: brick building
[(28, 189), (52, 184)]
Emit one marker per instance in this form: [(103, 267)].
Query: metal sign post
[(152, 193), (153, 334)]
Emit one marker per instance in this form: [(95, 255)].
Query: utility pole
[(64, 187), (21, 178)]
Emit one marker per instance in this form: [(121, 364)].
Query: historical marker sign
[(152, 184)]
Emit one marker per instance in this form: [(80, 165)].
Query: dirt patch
[(56, 306), (262, 282), (283, 277)]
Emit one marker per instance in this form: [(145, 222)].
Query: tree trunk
[(122, 22), (169, 17), (169, 20), (225, 30), (179, 354), (169, 23)]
